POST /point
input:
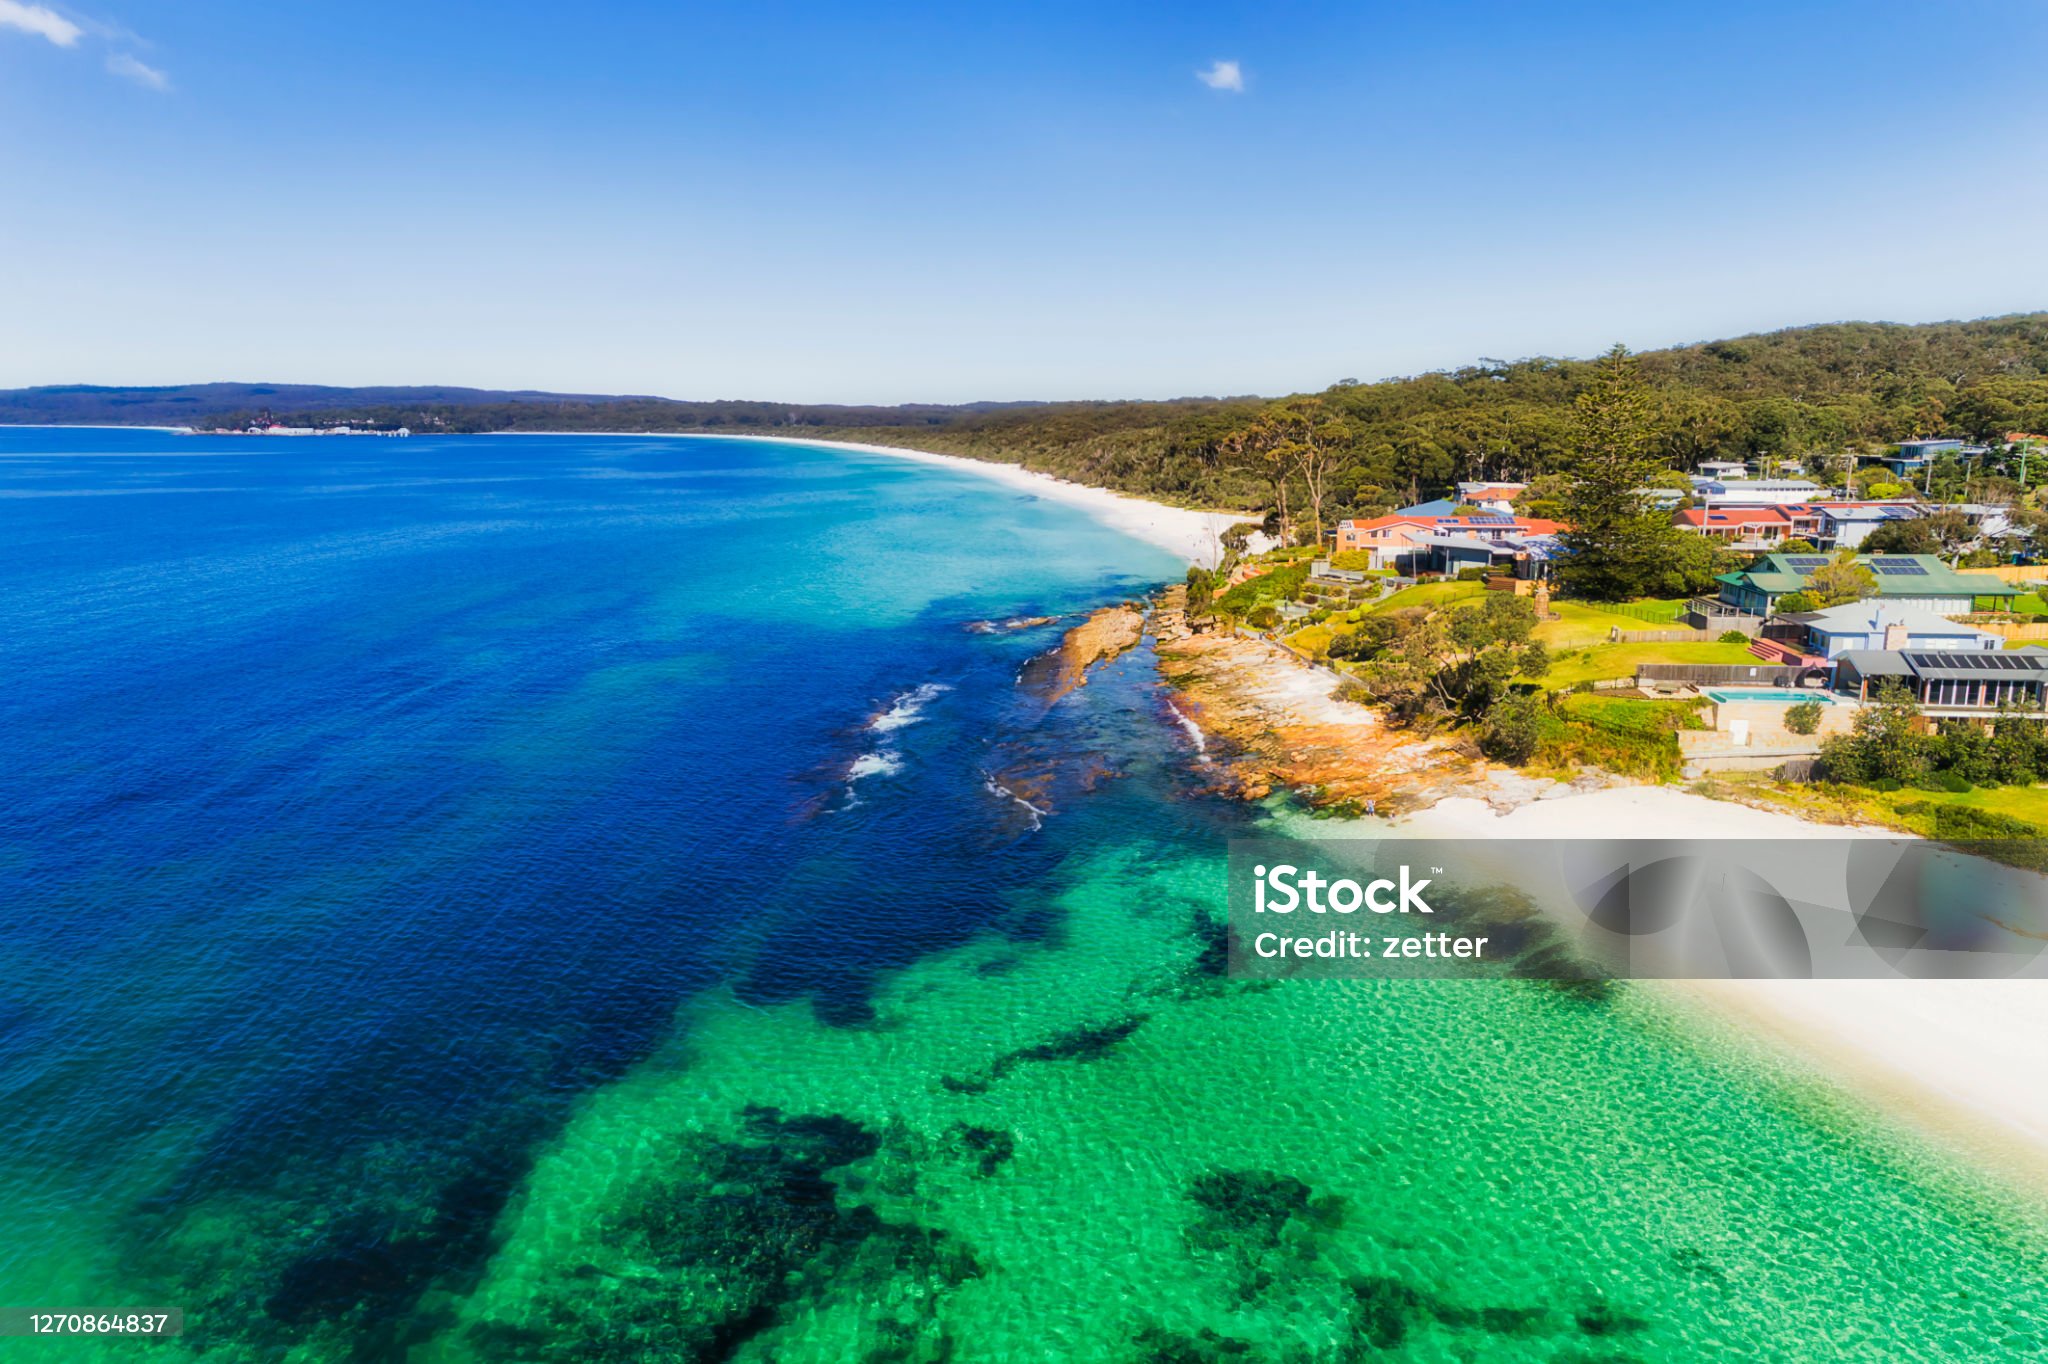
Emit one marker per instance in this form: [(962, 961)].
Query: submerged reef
[(730, 1237)]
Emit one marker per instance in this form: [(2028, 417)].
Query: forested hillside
[(1789, 394)]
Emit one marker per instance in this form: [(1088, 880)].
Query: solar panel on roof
[(1804, 562), (1898, 568)]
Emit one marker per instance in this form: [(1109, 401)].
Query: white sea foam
[(908, 708), (1002, 792), (877, 764), (1195, 735)]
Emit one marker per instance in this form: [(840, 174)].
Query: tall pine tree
[(1620, 545)]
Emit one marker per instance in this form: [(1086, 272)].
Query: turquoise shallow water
[(559, 898)]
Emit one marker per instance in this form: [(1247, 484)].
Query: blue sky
[(828, 202)]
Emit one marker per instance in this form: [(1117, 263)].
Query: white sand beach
[(1960, 1060), (1195, 536)]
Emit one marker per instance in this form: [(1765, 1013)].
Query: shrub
[(1475, 574), (1797, 601), (1734, 637), (1803, 718), (1357, 560), (1885, 784), (1514, 727), (1347, 646), (1262, 617), (1351, 689)]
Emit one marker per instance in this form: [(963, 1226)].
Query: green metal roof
[(1911, 575)]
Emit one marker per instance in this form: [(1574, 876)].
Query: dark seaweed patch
[(1385, 1309), (1076, 1044), (1382, 1309), (712, 1253), (1603, 1320), (1156, 1345), (1251, 1206), (1519, 933), (988, 1147)]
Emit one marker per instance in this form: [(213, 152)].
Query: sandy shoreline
[(1195, 536), (1958, 1060)]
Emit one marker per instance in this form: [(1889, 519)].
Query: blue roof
[(1443, 506)]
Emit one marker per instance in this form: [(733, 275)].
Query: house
[(1949, 683), (1493, 497), (1405, 542), (1663, 499), (1920, 580), (1923, 450), (1880, 625), (1750, 528), (1845, 525), (1914, 455), (1990, 522), (1720, 470), (1391, 539), (1753, 492)]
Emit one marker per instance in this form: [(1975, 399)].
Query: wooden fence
[(2012, 630), (1620, 636), (1760, 674), (2015, 573)]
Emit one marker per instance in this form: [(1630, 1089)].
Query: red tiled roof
[(1382, 522), (1742, 516), (1520, 525)]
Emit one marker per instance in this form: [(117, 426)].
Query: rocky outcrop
[(1105, 634), (1282, 724)]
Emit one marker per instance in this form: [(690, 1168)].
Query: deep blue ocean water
[(368, 793)]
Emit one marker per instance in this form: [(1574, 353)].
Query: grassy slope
[(1604, 661)]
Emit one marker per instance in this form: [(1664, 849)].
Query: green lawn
[(2029, 803), (1651, 612), (1579, 624), (1431, 595), (1604, 661)]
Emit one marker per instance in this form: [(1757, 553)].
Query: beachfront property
[(1949, 684), (1882, 625), (1493, 497), (1529, 557), (1845, 525), (1443, 544), (1751, 492), (1751, 528), (1920, 580)]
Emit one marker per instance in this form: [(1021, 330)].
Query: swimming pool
[(1783, 697)]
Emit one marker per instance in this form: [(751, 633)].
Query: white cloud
[(143, 74), (45, 23), (1223, 76)]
